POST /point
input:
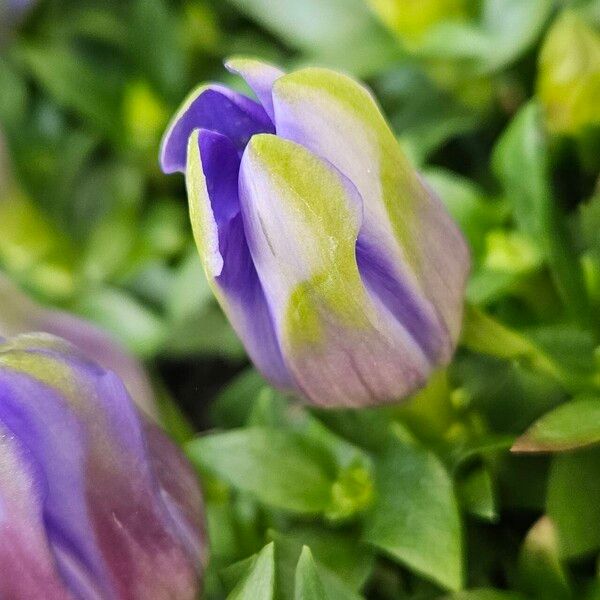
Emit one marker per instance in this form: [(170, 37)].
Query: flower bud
[(20, 314), (338, 267), (95, 502)]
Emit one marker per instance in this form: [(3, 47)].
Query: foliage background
[(498, 103)]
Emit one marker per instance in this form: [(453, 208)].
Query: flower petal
[(302, 218), (20, 314), (110, 530), (28, 569), (260, 76), (217, 108), (212, 182), (404, 222)]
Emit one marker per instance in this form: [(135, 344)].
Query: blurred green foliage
[(497, 102)]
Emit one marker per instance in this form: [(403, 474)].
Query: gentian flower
[(20, 314), (95, 502), (337, 266)]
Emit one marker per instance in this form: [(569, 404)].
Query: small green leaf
[(541, 574), (339, 553), (476, 494), (309, 585), (415, 519), (260, 580), (331, 569), (76, 84), (277, 467), (233, 404), (572, 425), (573, 501), (567, 83), (506, 30), (482, 333), (523, 148), (134, 324)]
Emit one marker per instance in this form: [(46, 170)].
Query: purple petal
[(212, 179), (109, 521), (405, 224), (21, 315), (302, 218), (217, 108), (28, 567), (260, 77)]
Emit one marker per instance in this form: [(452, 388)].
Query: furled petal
[(260, 77), (112, 522), (217, 108), (28, 569), (302, 219), (212, 183), (20, 314), (413, 255)]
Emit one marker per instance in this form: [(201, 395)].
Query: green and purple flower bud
[(337, 266), (95, 502), (20, 314)]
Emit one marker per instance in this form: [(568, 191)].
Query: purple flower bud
[(20, 314), (337, 266), (95, 502)]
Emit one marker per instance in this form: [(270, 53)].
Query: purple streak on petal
[(219, 109), (386, 283), (245, 303), (260, 77)]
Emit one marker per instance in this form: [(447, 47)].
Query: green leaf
[(339, 554), (482, 333), (415, 519), (567, 83), (523, 149), (277, 467), (485, 594), (260, 580), (357, 42), (190, 291), (541, 573), (233, 404), (424, 115), (76, 84), (573, 501), (506, 30), (288, 548), (135, 325), (309, 585), (572, 425), (476, 493)]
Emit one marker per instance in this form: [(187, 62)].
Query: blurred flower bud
[(338, 267), (95, 502), (20, 314)]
